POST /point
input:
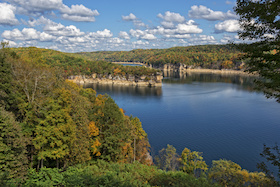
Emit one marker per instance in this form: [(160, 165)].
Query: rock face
[(184, 68), (129, 80)]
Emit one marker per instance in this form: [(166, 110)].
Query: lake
[(220, 116)]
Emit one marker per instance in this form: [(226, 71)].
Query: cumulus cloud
[(101, 34), (172, 17), (45, 37), (148, 36), (169, 18), (7, 15), (227, 26), (167, 24), (180, 31), (36, 8), (57, 29), (188, 28), (202, 12), (124, 35), (202, 39), (11, 43), (140, 42), (78, 13), (26, 34), (130, 17)]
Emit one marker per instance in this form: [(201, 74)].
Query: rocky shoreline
[(191, 69), (127, 80)]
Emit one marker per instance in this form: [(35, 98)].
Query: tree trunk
[(42, 163), (57, 163)]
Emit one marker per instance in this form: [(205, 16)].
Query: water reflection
[(126, 90), (244, 82)]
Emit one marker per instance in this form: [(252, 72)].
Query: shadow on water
[(126, 90)]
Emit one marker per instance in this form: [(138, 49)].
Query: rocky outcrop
[(129, 80), (184, 68), (170, 67)]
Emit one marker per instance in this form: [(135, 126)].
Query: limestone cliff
[(129, 80)]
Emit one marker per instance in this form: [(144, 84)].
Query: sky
[(115, 25)]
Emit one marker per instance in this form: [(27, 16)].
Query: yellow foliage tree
[(94, 142)]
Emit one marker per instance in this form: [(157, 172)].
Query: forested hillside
[(204, 56), (56, 133), (74, 64)]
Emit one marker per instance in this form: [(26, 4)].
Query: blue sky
[(74, 26)]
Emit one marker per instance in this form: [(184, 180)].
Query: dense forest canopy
[(74, 64), (204, 56)]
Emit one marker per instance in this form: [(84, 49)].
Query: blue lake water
[(220, 116)]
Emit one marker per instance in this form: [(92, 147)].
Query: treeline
[(73, 64), (203, 56)]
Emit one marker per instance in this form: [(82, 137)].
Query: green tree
[(7, 95), (167, 158), (13, 160), (228, 173), (114, 129), (192, 162), (260, 23), (55, 132)]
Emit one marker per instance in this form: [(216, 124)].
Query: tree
[(167, 158), (192, 162), (13, 160), (260, 22), (114, 129), (228, 173), (55, 132)]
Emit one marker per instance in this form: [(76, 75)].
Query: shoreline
[(138, 63), (216, 71), (194, 70)]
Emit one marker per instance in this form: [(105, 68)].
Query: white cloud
[(124, 35), (227, 26), (172, 17), (148, 36), (134, 19), (136, 33), (188, 28), (36, 7), (202, 12), (167, 24), (140, 42), (57, 29), (178, 36), (44, 37), (181, 31), (7, 15), (101, 34), (11, 43), (202, 40), (169, 18), (78, 13), (130, 17), (26, 34)]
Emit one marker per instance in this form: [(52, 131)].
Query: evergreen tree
[(13, 160)]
